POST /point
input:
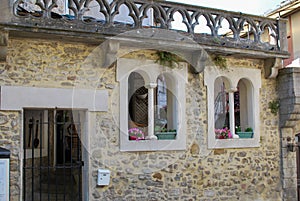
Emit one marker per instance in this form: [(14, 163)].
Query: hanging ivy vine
[(220, 61), (167, 59), (274, 106)]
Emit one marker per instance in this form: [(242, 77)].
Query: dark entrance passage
[(52, 166)]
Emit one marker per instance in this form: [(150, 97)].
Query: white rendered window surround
[(150, 71), (234, 75)]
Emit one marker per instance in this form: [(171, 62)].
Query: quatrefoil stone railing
[(205, 25)]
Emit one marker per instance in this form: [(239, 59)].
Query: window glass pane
[(221, 103), (244, 111), (138, 104), (165, 107), (237, 108), (161, 109)]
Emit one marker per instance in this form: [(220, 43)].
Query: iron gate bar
[(41, 123), (79, 154), (64, 153), (32, 158), (41, 168), (71, 152), (24, 160), (48, 153)]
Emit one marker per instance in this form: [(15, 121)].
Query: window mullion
[(150, 88), (231, 111)]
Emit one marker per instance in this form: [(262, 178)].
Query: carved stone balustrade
[(217, 30)]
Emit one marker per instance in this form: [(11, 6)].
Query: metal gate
[(52, 166)]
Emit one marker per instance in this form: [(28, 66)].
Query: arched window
[(150, 97), (243, 103), (138, 104), (233, 107), (166, 106), (241, 117), (221, 103)]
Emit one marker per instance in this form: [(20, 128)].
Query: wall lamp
[(291, 144)]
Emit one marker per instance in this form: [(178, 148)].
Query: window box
[(135, 138), (166, 135), (245, 134)]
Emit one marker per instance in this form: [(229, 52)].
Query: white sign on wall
[(4, 179)]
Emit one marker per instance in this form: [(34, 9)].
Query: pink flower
[(223, 133), (229, 134), (136, 134)]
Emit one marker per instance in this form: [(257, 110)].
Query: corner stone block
[(290, 194), (290, 172), (290, 183)]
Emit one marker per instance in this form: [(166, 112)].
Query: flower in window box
[(223, 133), (248, 133), (136, 134), (165, 134)]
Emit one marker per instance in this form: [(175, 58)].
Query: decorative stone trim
[(162, 18), (271, 66), (17, 98)]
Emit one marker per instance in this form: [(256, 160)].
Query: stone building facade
[(197, 173), (88, 72)]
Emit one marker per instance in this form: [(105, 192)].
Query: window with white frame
[(233, 107), (152, 106)]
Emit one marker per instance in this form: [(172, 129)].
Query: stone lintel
[(16, 98)]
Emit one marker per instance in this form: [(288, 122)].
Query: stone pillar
[(231, 111), (288, 93), (289, 166), (150, 88)]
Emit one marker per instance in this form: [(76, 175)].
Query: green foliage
[(166, 59), (249, 129), (220, 61), (239, 129), (274, 106), (216, 40), (159, 129)]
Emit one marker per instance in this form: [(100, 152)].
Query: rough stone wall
[(10, 129), (194, 174), (39, 64)]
